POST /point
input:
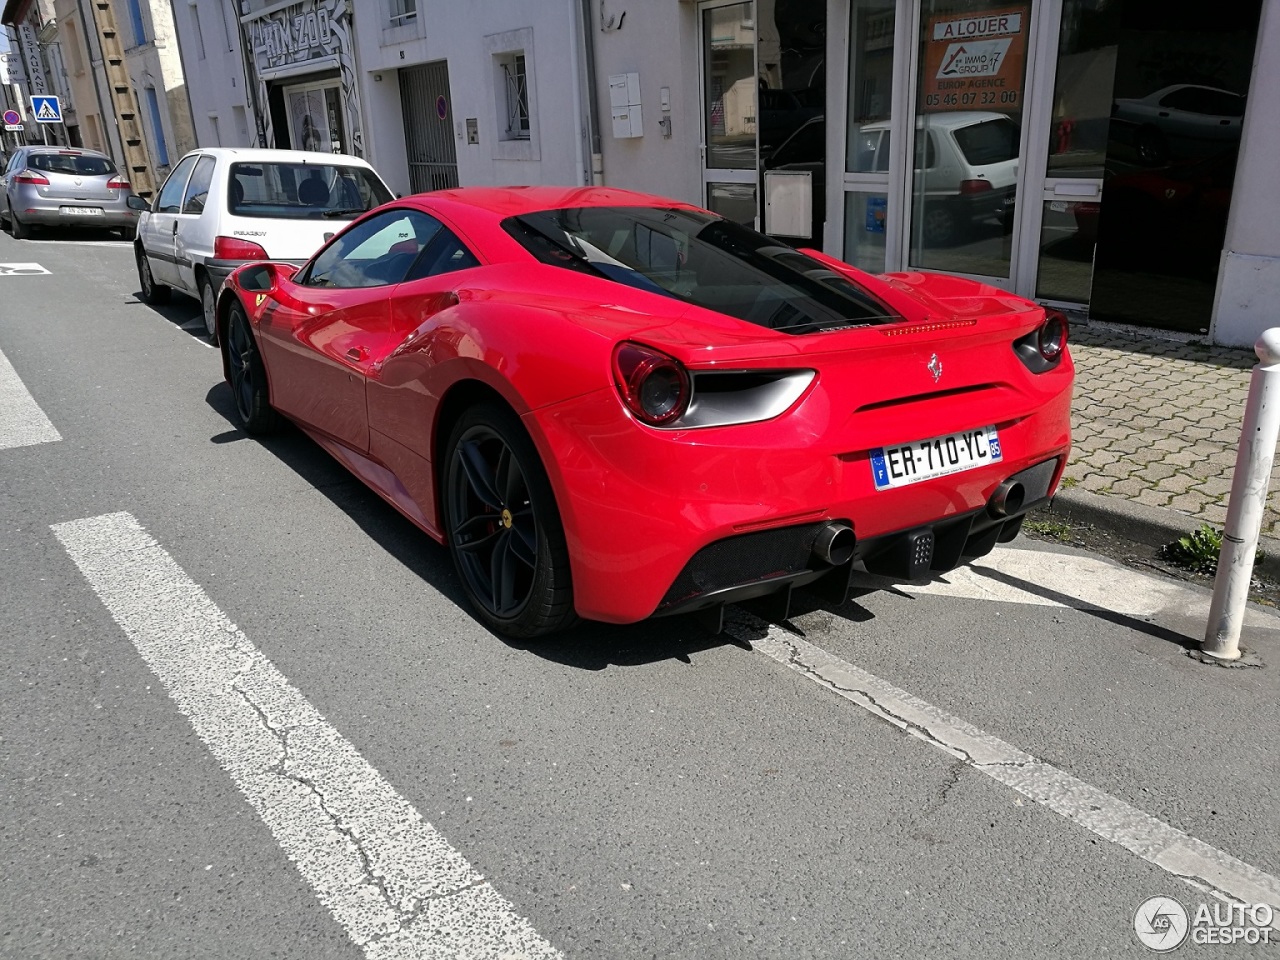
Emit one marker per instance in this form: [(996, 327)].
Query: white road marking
[(387, 875), (22, 270), (1204, 867), (1071, 580), (22, 422)]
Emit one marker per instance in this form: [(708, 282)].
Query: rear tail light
[(229, 248), (1051, 338), (117, 183), (654, 386), (30, 176), (975, 186)]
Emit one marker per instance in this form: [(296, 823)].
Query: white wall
[(157, 64), (659, 41), (441, 33), (1248, 296), (216, 80)]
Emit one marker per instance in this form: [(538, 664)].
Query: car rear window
[(991, 141), (303, 191), (75, 164), (702, 259)]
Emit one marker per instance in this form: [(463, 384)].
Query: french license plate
[(81, 211), (936, 457)]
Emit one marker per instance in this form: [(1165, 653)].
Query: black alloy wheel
[(503, 527), (152, 293), (248, 376)]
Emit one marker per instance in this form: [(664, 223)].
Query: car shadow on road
[(183, 313), (585, 646), (77, 234)]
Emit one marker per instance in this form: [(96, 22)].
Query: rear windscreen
[(303, 191), (702, 259), (74, 164), (991, 141)]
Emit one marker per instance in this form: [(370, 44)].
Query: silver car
[(64, 187)]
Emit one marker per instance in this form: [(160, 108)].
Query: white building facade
[(1115, 157), (210, 41), (156, 78), (493, 96)]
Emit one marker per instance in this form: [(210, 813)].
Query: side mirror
[(265, 277), (135, 202)]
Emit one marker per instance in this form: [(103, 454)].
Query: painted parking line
[(1193, 861), (22, 422), (22, 270), (388, 877)]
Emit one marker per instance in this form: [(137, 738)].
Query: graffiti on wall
[(319, 30)]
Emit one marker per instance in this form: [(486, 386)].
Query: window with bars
[(403, 11), (515, 84)]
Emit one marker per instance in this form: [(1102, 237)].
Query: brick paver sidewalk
[(1158, 422)]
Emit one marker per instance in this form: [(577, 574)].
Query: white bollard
[(1248, 502)]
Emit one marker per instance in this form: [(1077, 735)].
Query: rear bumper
[(43, 212), (759, 564), (694, 519)]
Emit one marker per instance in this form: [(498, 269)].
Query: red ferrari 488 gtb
[(614, 406)]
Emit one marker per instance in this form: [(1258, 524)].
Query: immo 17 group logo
[(1163, 924)]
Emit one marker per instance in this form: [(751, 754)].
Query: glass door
[(730, 143), (968, 137)]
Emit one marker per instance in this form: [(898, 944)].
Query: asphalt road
[(1003, 763)]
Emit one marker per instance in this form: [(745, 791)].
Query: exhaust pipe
[(1007, 499), (835, 544)]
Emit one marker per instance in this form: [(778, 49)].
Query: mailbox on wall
[(624, 100)]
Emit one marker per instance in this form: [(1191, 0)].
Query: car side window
[(374, 253), (197, 192), (170, 198), (445, 254)]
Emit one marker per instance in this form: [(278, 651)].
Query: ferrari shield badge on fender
[(258, 301), (935, 367)]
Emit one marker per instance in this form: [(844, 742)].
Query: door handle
[(175, 229), (356, 353)]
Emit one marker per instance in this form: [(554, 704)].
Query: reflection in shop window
[(730, 85), (870, 81), (864, 230)]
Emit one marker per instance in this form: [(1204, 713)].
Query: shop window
[(514, 95), (157, 128), (402, 12), (514, 99), (197, 32), (136, 21)]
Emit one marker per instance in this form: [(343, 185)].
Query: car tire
[(503, 527), (19, 229), (128, 233), (209, 308), (152, 293), (248, 376)]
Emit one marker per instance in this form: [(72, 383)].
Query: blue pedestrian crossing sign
[(46, 109)]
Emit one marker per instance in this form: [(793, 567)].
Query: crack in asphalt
[(796, 662), (403, 913)]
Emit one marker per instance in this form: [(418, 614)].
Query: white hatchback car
[(222, 207)]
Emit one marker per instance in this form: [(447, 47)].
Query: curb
[(1138, 523)]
